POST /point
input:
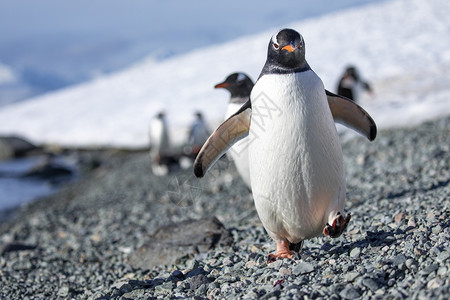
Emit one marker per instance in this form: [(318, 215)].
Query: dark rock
[(14, 146), (197, 281), (177, 274), (349, 293), (49, 170), (11, 247), (370, 283), (173, 241)]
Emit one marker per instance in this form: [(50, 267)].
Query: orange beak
[(288, 48), (221, 85)]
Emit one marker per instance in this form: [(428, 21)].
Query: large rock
[(14, 146), (173, 241)]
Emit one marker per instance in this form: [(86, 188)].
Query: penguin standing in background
[(239, 85), (162, 160), (198, 134), (295, 157), (350, 84)]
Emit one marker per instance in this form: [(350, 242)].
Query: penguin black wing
[(223, 138), (350, 114)]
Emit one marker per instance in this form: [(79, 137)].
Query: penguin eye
[(276, 46)]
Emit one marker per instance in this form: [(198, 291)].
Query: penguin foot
[(338, 226), (282, 252)]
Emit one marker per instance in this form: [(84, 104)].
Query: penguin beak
[(221, 85), (289, 48)]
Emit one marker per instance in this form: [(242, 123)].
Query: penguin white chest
[(295, 157)]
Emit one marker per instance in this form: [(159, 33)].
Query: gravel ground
[(76, 243)]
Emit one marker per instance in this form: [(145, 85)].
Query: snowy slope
[(401, 46)]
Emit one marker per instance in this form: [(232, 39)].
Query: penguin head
[(287, 49), (238, 84), (198, 115), (161, 115)]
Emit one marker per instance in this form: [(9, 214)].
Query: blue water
[(16, 190)]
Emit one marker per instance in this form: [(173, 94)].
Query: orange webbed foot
[(282, 252)]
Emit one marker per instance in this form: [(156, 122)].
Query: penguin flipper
[(223, 138), (350, 114)]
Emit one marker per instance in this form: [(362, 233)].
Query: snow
[(399, 46)]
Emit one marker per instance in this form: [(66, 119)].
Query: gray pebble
[(355, 252), (303, 268), (349, 292)]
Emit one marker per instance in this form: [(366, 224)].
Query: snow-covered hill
[(401, 46)]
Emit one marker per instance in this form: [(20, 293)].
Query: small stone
[(213, 285), (251, 295), (442, 271), (250, 264), (303, 268), (255, 249), (370, 283), (197, 281), (418, 251), (349, 293), (276, 264), (285, 271), (351, 276), (177, 274), (165, 287), (399, 259), (430, 269), (411, 263), (435, 283), (412, 222), (192, 264), (125, 288), (437, 229), (399, 217), (443, 256), (63, 291), (355, 252), (227, 261)]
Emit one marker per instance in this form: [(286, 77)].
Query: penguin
[(295, 157), (198, 134), (162, 159), (350, 84), (239, 85)]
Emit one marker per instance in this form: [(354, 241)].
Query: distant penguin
[(351, 83), (296, 163), (198, 134), (162, 161), (239, 85)]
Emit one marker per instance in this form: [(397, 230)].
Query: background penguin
[(296, 163), (350, 84), (198, 134), (239, 85), (162, 160)]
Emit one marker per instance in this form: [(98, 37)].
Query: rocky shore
[(107, 236)]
